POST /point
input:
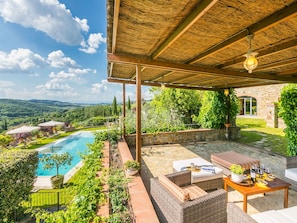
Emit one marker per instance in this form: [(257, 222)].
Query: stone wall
[(266, 97), (186, 136)]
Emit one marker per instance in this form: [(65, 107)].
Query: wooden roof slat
[(269, 21), (264, 52), (199, 44), (199, 11)]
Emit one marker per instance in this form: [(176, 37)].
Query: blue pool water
[(74, 145)]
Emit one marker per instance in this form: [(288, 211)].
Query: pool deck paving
[(157, 160)]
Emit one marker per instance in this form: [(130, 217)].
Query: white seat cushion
[(270, 217), (286, 215), (290, 213), (206, 172), (291, 174)]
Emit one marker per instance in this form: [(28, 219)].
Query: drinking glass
[(268, 170)]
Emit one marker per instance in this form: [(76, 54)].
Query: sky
[(56, 50)]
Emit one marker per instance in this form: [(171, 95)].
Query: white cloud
[(57, 59), (99, 87), (91, 46), (6, 84), (70, 75), (55, 85), (20, 60), (79, 71), (63, 75), (83, 24), (48, 16)]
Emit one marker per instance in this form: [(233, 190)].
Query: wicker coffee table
[(276, 184)]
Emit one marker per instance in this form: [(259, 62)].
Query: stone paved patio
[(158, 160)]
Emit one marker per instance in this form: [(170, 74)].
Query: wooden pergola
[(199, 44)]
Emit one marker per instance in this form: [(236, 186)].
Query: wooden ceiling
[(199, 44)]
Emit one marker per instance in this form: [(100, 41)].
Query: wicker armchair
[(291, 162), (236, 215), (210, 207)]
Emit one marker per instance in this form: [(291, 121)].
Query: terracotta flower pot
[(57, 181)]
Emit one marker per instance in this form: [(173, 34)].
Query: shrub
[(288, 112), (17, 173), (214, 110)]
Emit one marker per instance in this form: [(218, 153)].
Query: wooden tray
[(246, 182)]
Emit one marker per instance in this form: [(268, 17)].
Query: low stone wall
[(185, 136)]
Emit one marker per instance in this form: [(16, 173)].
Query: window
[(248, 105)]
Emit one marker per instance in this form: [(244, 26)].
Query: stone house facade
[(260, 102)]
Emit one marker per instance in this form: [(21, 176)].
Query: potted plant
[(56, 161), (236, 173), (131, 167)]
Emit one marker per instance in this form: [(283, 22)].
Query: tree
[(129, 104), (288, 112), (114, 106), (4, 127), (215, 108), (5, 140), (184, 103), (56, 161)]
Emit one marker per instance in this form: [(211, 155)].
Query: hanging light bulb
[(251, 61)]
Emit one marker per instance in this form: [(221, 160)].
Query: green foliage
[(95, 121), (111, 135), (119, 197), (214, 110), (288, 112), (237, 169), (114, 106), (5, 140), (88, 193), (56, 161), (132, 164), (183, 103), (17, 173), (129, 104), (154, 121), (19, 112)]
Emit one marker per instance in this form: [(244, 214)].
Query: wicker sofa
[(236, 215), (173, 208), (291, 171)]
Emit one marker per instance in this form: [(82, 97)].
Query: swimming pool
[(74, 144)]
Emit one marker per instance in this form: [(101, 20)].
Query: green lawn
[(255, 132)]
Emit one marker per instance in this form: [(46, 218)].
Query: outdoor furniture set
[(193, 192)]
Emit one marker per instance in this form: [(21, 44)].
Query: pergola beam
[(186, 68), (153, 84)]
